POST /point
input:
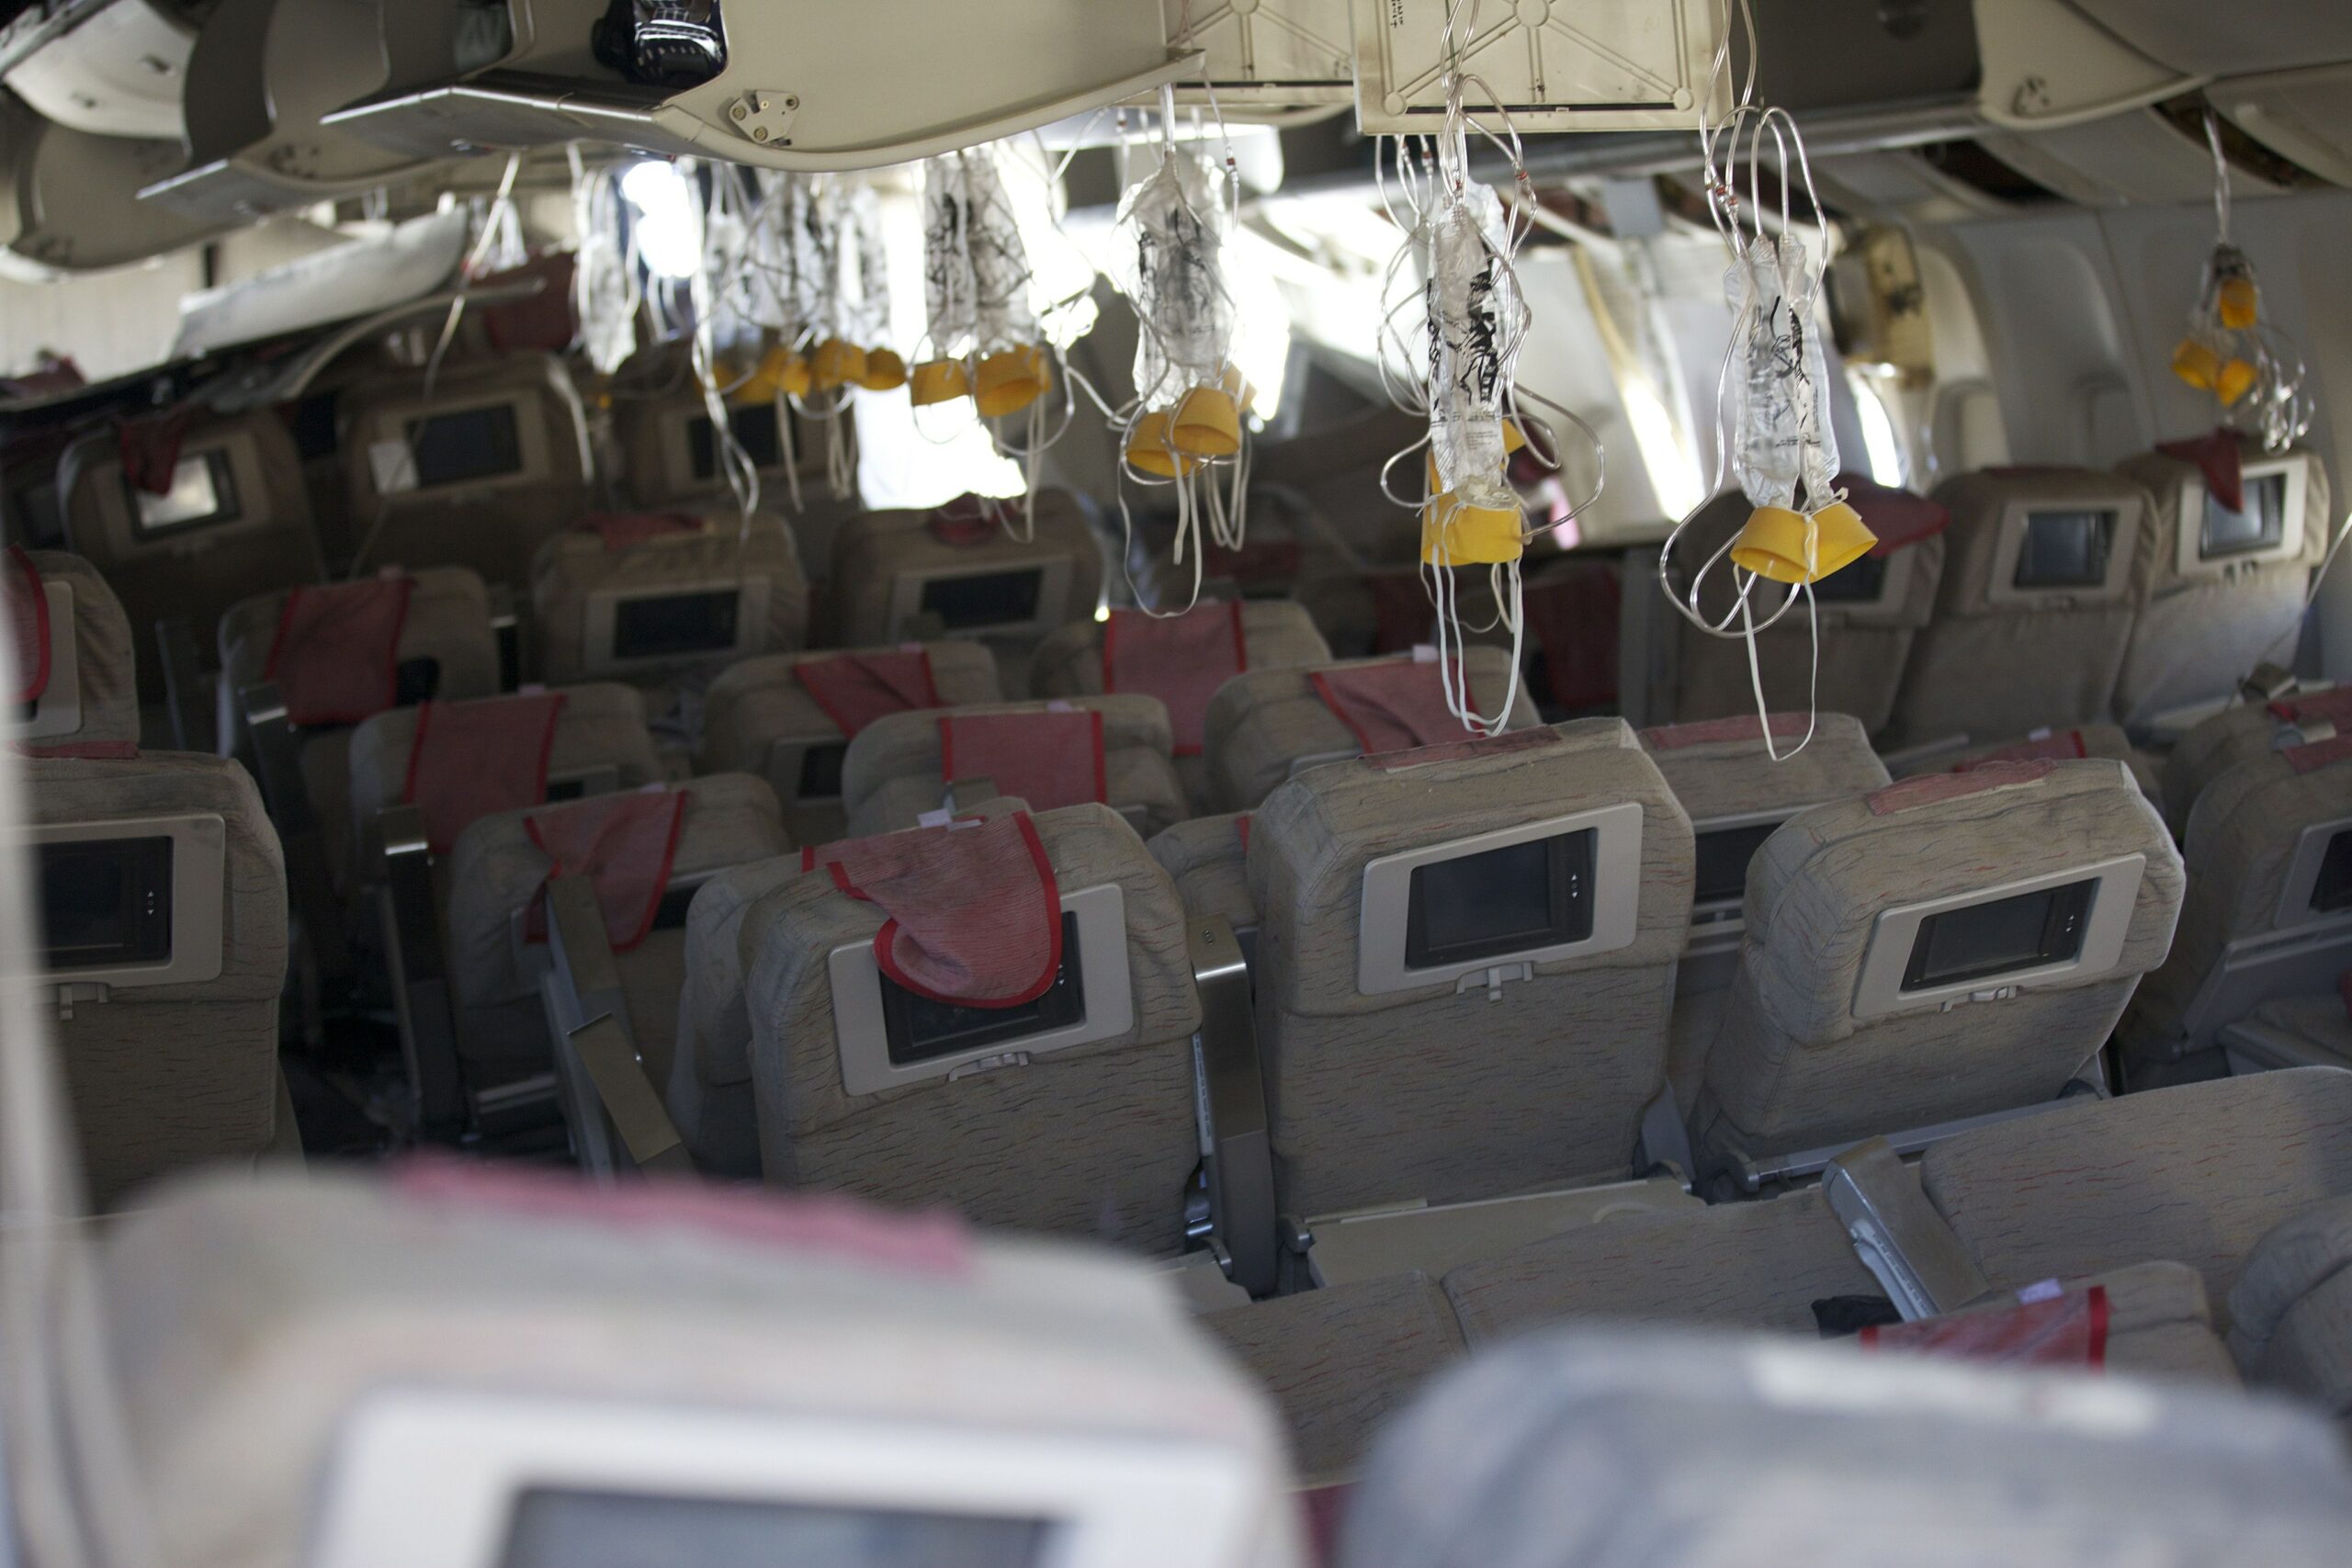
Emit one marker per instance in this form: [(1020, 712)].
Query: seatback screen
[(662, 625), (921, 1030), (202, 493), (561, 1528), (756, 431), (2001, 937), (1723, 854), (460, 448), (2065, 549), (821, 772), (992, 599), (2260, 526), (107, 902), (2333, 891), (1858, 584), (1497, 902)]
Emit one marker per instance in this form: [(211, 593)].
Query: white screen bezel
[(199, 896), (2303, 877), (2188, 561), (243, 460), (1053, 590), (2003, 589), (1386, 894), (602, 609), (863, 1043), (58, 710), (1878, 989), (423, 1475), (388, 425)]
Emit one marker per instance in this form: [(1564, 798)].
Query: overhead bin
[(68, 199), (2305, 116), (117, 73), (803, 84)]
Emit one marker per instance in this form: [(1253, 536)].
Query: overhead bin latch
[(765, 115)]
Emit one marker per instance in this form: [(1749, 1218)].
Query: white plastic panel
[(71, 198), (2305, 116), (350, 280), (1552, 64), (1266, 53), (119, 73)]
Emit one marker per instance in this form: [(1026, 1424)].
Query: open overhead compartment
[(117, 70), (69, 199), (2304, 116)]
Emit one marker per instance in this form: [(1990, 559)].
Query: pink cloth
[(626, 530), (150, 448), (336, 654), (971, 519), (974, 915), (2063, 746), (1258, 561), (28, 608), (1898, 517), (2333, 705), (2318, 755), (1929, 788), (1241, 829), (1573, 618), (625, 844), (1323, 1506), (1181, 659), (2065, 1330), (471, 759), (855, 689), (2221, 460), (1714, 731), (1393, 707), (1049, 760), (1540, 738), (537, 323)]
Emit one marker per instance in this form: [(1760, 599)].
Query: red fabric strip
[(150, 448), (1714, 731), (80, 750), (1181, 659), (471, 759), (1541, 738), (1322, 1508), (1257, 561), (624, 843), (1929, 788), (2065, 1330), (1394, 706), (2221, 460), (2333, 705), (855, 689), (1898, 517), (969, 519), (1574, 620), (1241, 825), (975, 912), (27, 602), (625, 530), (2318, 755), (2066, 745), (336, 654), (1049, 760), (535, 323)]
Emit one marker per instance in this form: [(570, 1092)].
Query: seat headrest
[(82, 641), (1721, 768), (2032, 539)]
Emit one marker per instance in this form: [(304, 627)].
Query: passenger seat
[(1112, 750), (77, 677)]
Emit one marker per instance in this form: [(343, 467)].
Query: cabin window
[(1513, 899)]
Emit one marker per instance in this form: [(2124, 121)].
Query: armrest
[(184, 697), (278, 771), (420, 976), (1237, 1132), (1927, 1269)]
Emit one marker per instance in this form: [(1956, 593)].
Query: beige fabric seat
[(2262, 918), (893, 576), (497, 870), (91, 695), (2103, 740), (1090, 1140), (758, 717), (2026, 632), (1385, 1088), (1266, 724), (2290, 1310), (478, 477), (1208, 857), (1724, 773), (892, 772), (236, 524), (1869, 616), (638, 614), (170, 1057), (2212, 748), (2210, 618), (1850, 1019)]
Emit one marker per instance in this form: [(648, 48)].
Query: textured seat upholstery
[(1865, 641), (1263, 724), (516, 468), (99, 701), (1209, 858), (497, 870), (163, 1076), (2241, 848), (2106, 741), (1092, 1140), (2290, 1310), (2206, 624), (1432, 1092), (258, 535), (1998, 659), (577, 585), (892, 774), (1803, 1061), (2213, 747)]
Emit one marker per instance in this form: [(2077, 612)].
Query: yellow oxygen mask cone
[(938, 381), (2236, 380), (836, 363), (1773, 542), (1148, 451), (1469, 535), (1010, 381), (2195, 363), (885, 371), (2239, 303), (1205, 424), (780, 373)]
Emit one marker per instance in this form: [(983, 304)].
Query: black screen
[(1984, 940), (670, 914), (552, 1529), (2065, 550), (1723, 854), (996, 599), (106, 902), (202, 493), (1860, 582), (2333, 891), (821, 772), (416, 680), (660, 626), (2260, 526), (756, 431), (457, 448), (921, 1030), (1501, 902)]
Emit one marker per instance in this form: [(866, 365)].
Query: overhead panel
[(1264, 55), (68, 199), (118, 74), (2303, 116), (1549, 64)]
